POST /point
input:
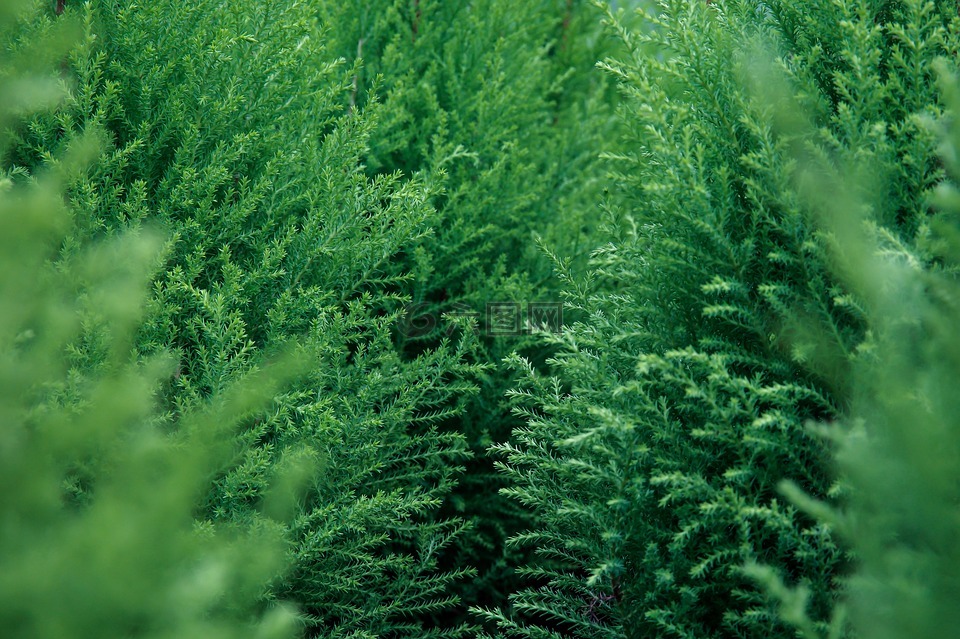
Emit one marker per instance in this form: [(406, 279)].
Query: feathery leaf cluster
[(715, 325), (250, 384)]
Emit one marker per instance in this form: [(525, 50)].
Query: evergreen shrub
[(500, 100), (226, 129), (897, 446), (716, 325), (249, 388), (901, 448), (308, 192), (98, 527)]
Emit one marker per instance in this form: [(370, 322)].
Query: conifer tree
[(901, 448), (97, 529), (223, 226), (501, 99), (716, 327), (227, 129), (298, 206), (897, 445)]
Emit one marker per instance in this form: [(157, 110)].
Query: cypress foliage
[(716, 327), (501, 100), (97, 529), (897, 446), (248, 381), (227, 129), (901, 451), (297, 207)]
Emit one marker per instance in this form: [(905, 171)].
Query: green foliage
[(299, 206), (247, 380), (500, 99), (226, 129), (716, 325), (902, 451), (97, 529), (897, 447)]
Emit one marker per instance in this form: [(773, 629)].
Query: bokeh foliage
[(98, 527)]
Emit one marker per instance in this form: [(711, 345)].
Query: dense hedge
[(720, 320), (502, 102), (252, 383)]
